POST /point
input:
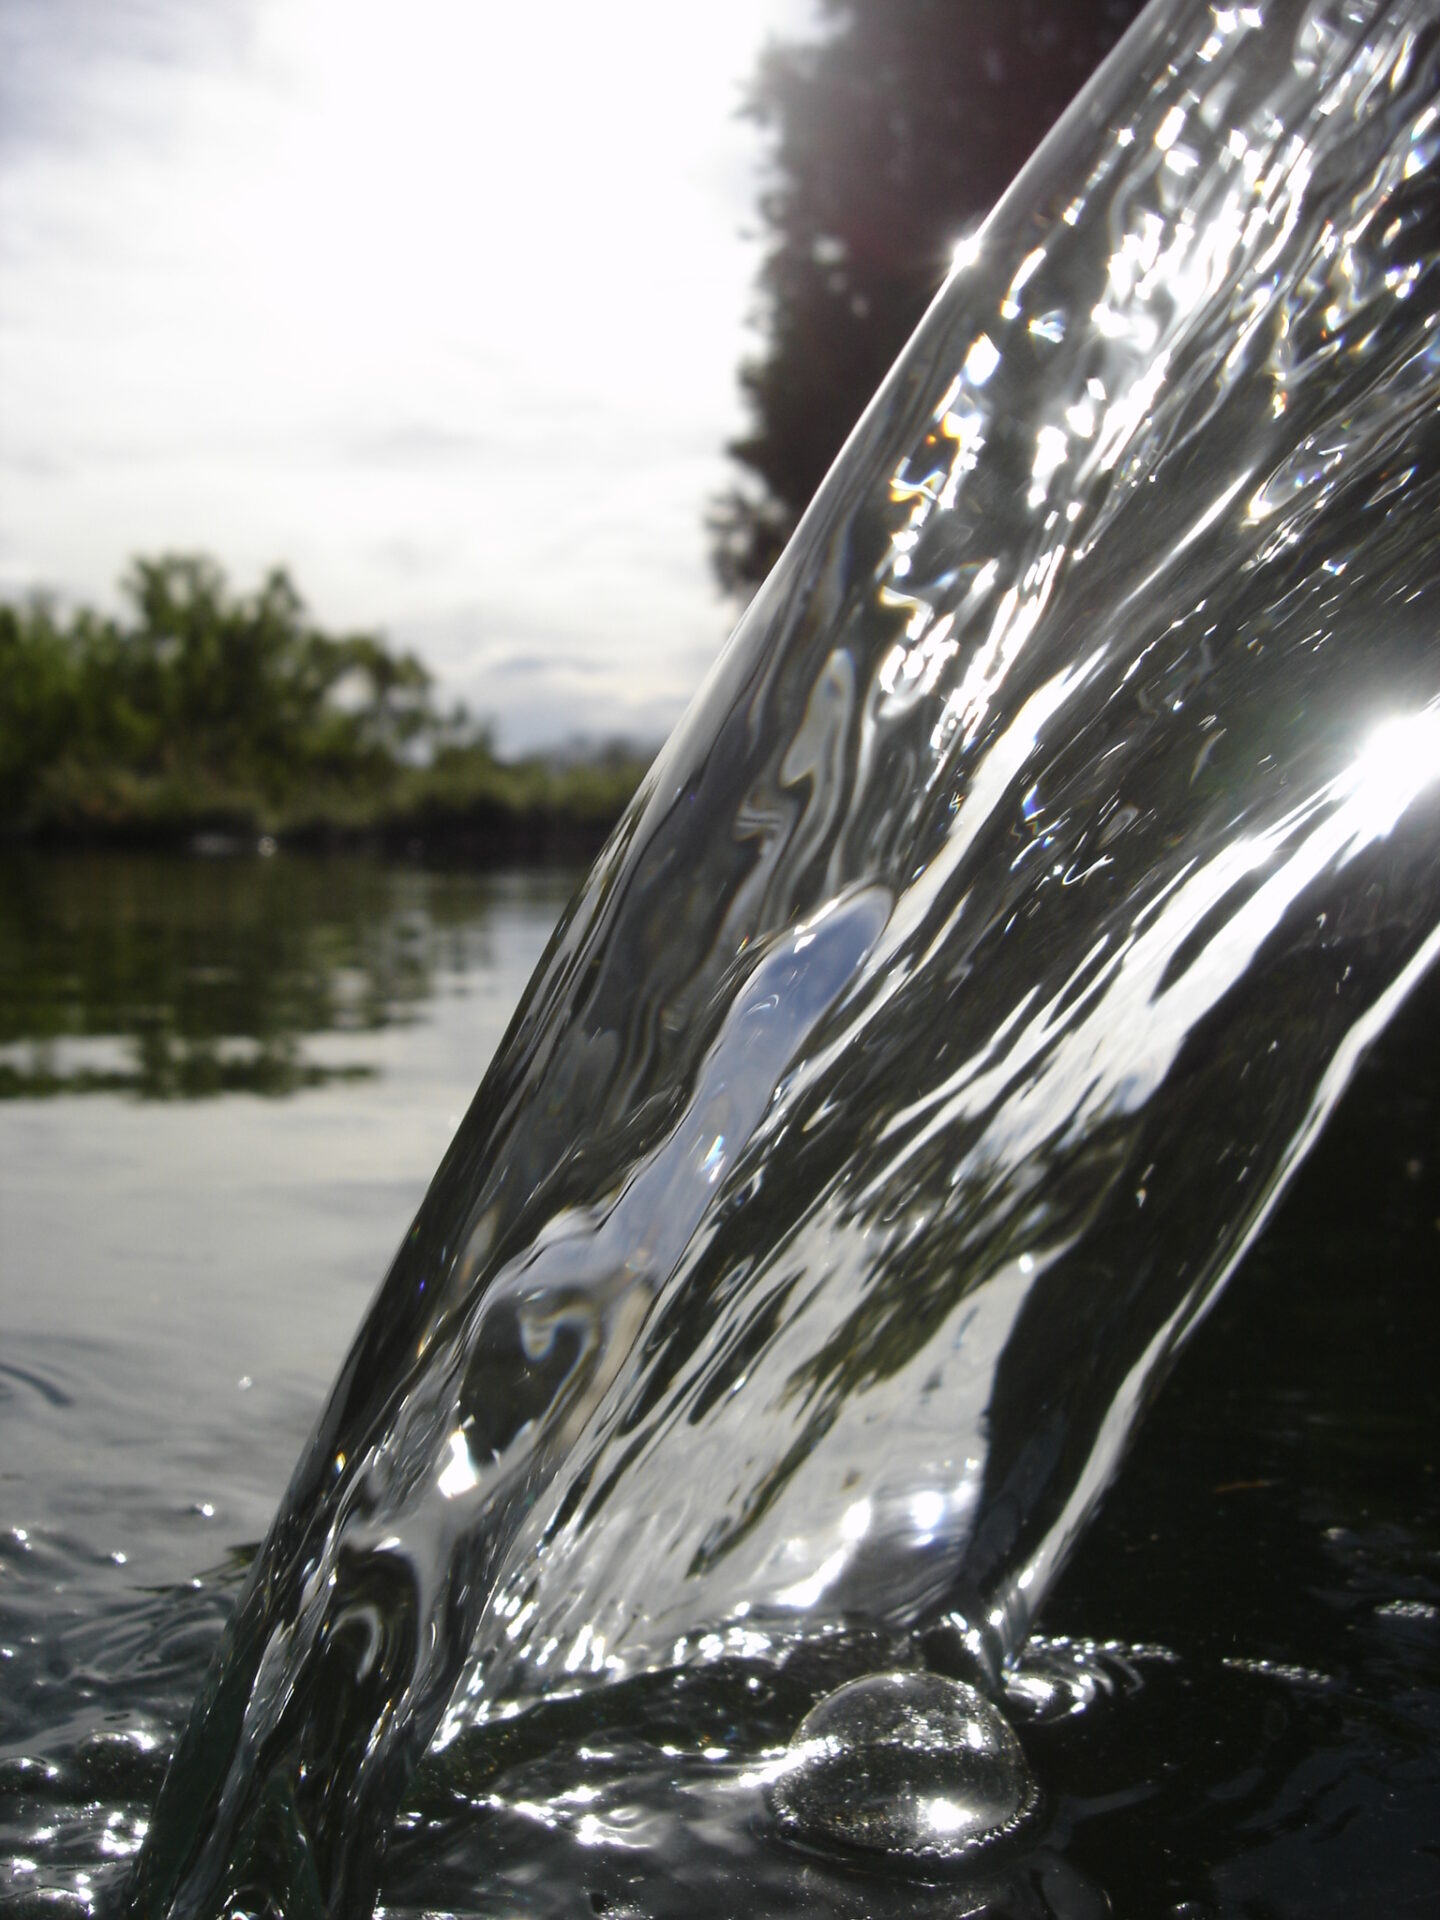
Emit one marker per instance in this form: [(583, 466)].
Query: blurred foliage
[(891, 137), (207, 709)]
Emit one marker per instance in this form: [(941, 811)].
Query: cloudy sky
[(439, 304)]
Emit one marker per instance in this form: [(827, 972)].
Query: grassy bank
[(468, 805)]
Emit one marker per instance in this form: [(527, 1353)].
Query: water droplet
[(920, 1770)]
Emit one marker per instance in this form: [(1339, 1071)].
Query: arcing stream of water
[(980, 955)]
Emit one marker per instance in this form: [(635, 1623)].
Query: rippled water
[(1261, 1736), (981, 954)]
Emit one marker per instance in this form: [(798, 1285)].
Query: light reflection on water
[(183, 1249), (155, 1255), (224, 1085)]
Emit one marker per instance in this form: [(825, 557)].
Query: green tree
[(248, 691), (200, 706), (38, 698), (201, 697), (891, 137)]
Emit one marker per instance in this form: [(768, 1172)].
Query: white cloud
[(441, 306)]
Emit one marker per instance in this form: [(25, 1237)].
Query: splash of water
[(977, 960)]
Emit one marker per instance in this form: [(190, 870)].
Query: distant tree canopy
[(221, 692), (891, 137), (201, 706)]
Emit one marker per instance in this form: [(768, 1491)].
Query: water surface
[(182, 1259)]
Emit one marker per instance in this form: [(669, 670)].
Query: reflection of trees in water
[(167, 1068), (179, 979)]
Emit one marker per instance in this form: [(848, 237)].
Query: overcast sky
[(439, 304)]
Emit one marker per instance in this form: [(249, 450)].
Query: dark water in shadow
[(1278, 1525), (178, 1276)]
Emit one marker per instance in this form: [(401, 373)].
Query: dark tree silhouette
[(891, 137)]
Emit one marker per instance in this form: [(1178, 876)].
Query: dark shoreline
[(484, 837)]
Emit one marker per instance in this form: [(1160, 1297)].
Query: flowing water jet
[(982, 952)]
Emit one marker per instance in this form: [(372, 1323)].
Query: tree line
[(200, 706), (890, 133)]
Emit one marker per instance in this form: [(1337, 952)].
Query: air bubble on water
[(918, 1771)]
